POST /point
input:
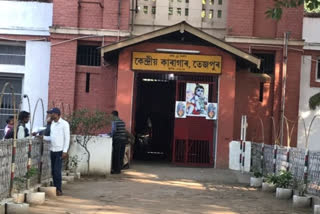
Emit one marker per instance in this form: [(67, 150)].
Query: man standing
[(119, 141), (60, 139)]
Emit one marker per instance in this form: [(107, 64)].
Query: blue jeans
[(56, 168)]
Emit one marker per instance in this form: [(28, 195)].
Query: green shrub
[(284, 179)]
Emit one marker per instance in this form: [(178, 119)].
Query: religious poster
[(212, 111), (197, 99), (180, 109)]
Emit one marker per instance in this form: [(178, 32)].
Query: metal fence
[(303, 164), (40, 160)]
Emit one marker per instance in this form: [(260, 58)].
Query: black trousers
[(117, 156), (56, 168)]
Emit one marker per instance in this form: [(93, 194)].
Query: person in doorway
[(9, 126), (22, 130), (59, 138), (119, 141)]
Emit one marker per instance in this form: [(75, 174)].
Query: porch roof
[(182, 27)]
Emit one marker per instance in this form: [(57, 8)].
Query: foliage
[(257, 174), (271, 179), (20, 183), (279, 5), (314, 101), (87, 123), (73, 163), (284, 180), (300, 186)]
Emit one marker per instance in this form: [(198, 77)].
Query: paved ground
[(161, 188)]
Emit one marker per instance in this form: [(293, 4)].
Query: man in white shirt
[(60, 139)]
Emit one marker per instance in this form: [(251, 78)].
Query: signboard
[(176, 62)]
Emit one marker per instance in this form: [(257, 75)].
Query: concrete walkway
[(162, 188)]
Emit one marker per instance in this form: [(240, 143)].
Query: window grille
[(88, 55), (12, 54)]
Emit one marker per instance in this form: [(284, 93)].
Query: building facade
[(24, 56), (309, 83), (237, 31)]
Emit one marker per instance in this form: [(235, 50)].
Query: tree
[(279, 5), (86, 124)]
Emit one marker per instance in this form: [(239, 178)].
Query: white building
[(310, 82), (25, 55)]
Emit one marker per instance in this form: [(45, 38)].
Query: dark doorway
[(154, 116)]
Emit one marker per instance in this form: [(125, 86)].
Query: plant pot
[(316, 209), (301, 201), (36, 198), (17, 208), (50, 192), (283, 193), (68, 178), (255, 182), (18, 198), (266, 187)]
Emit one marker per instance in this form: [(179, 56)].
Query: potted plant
[(299, 198), (256, 180), (19, 185), (73, 166), (284, 181), (270, 183)]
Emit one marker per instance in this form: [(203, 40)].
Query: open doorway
[(154, 116)]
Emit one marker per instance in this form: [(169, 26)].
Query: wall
[(308, 85), (25, 18), (305, 93), (36, 78), (100, 149)]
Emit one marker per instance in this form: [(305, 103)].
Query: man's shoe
[(59, 193)]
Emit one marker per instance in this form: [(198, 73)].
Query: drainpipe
[(119, 19)]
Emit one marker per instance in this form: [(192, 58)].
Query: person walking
[(9, 126), (119, 141), (59, 138)]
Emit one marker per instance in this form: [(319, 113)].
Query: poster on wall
[(197, 99), (181, 109), (212, 111)]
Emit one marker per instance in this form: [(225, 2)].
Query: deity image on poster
[(211, 111), (197, 99), (181, 109)]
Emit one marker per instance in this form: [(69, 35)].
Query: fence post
[(275, 148), (29, 160), (41, 161), (306, 166), (288, 156), (13, 166), (262, 157)]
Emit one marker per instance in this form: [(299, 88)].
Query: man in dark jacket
[(119, 141)]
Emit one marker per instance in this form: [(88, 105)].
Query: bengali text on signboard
[(176, 62)]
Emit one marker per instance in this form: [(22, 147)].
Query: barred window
[(88, 55), (318, 68), (12, 54)]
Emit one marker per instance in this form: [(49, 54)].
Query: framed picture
[(212, 111), (197, 99), (180, 111)]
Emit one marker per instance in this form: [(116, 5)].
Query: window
[(87, 82), (261, 91), (211, 2), (186, 12), (203, 1), (220, 2), (170, 11), (12, 54), (203, 13), (88, 55), (318, 68), (179, 0), (145, 9), (153, 11), (210, 16), (267, 63), (187, 1), (219, 13), (179, 11)]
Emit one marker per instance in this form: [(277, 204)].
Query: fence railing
[(303, 164), (40, 160)]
